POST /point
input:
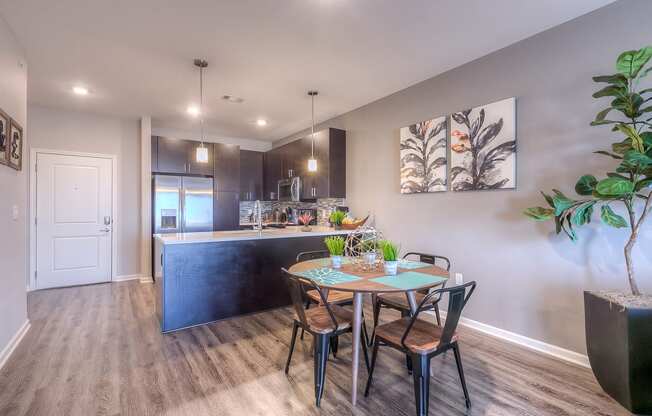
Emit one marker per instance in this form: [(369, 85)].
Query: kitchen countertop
[(217, 236)]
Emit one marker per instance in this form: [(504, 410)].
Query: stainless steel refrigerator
[(182, 204)]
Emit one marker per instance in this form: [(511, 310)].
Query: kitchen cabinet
[(272, 173), (227, 168), (251, 175), (226, 211), (177, 156), (329, 181)]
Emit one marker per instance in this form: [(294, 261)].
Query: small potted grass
[(368, 249), (337, 218), (335, 247), (390, 257)]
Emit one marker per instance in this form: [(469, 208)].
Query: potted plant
[(305, 219), (390, 257), (618, 325), (336, 219), (335, 247), (368, 250)]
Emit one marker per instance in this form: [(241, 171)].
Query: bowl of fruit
[(353, 223)]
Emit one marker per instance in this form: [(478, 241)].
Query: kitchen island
[(209, 276)]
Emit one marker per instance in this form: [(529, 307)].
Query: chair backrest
[(297, 287), (431, 259), (458, 296), (311, 255)]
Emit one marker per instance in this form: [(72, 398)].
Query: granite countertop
[(217, 236)]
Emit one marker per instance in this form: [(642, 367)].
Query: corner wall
[(530, 281)]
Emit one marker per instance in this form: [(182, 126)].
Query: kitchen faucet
[(258, 213)]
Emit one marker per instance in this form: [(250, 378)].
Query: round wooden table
[(412, 276)]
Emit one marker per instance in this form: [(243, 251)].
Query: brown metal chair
[(324, 322), (423, 340)]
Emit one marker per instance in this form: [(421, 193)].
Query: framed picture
[(483, 147), (5, 122), (423, 157), (15, 146)]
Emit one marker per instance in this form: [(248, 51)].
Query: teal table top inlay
[(328, 276), (409, 280), (409, 264)]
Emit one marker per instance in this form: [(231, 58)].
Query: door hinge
[(35, 220)]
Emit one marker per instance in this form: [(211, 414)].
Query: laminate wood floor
[(97, 350)]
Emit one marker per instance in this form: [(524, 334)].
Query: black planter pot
[(619, 344)]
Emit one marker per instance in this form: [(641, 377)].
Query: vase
[(391, 267), (370, 258), (336, 261)]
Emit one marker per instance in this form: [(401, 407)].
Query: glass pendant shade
[(312, 165), (202, 154)]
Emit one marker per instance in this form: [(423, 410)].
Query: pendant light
[(312, 162), (202, 151)]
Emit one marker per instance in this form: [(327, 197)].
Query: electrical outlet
[(459, 279)]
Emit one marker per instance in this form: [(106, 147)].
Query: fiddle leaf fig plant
[(630, 115)]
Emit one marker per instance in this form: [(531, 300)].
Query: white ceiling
[(136, 55)]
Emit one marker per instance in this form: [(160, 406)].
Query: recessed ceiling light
[(232, 99), (79, 90), (193, 110), (261, 122)]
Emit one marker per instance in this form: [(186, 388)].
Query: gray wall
[(530, 280), (83, 132), (13, 192)]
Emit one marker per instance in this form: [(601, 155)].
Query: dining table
[(359, 278)]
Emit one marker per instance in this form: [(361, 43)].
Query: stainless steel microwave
[(289, 189)]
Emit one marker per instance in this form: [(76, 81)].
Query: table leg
[(357, 325), (412, 301)]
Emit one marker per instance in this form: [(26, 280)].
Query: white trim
[(146, 279), (32, 206), (530, 343), (145, 195), (13, 343), (127, 277)]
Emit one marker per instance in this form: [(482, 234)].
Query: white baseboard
[(146, 279), (126, 277), (533, 344), (13, 343)]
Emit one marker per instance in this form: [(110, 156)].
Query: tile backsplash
[(323, 206)]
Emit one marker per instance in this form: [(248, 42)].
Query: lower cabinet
[(226, 211)]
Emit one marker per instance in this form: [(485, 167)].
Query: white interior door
[(74, 220)]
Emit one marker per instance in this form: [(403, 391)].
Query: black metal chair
[(325, 323), (398, 301), (423, 340)]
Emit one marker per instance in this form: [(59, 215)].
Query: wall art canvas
[(4, 137), (15, 146), (423, 157), (483, 147)]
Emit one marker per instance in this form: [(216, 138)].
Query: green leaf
[(647, 138), (561, 202), (637, 141), (548, 199), (629, 63), (646, 110), (645, 183), (617, 175), (540, 213), (582, 214), (585, 185), (602, 114), (611, 218), (617, 79), (622, 147), (604, 122), (614, 187), (611, 91), (638, 158), (603, 152)]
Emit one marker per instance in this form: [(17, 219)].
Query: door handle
[(106, 230)]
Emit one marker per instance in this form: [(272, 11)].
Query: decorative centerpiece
[(390, 256), (335, 247), (617, 323), (337, 218), (369, 253), (353, 223), (305, 219)]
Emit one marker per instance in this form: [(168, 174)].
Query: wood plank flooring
[(97, 350)]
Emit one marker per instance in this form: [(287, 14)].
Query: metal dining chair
[(422, 340), (324, 322), (398, 301)]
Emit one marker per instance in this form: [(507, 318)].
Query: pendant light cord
[(312, 134), (201, 104)]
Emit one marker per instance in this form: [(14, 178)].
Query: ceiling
[(136, 56)]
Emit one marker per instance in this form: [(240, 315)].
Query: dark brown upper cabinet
[(251, 175), (227, 168), (272, 173), (329, 181), (179, 157)]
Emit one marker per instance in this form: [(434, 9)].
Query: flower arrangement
[(305, 219), (335, 247)]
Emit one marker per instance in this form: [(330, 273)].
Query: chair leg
[(408, 360), (365, 351), (437, 314), (376, 316), (421, 375), (294, 338), (307, 307), (334, 343), (322, 343), (460, 370), (374, 355)]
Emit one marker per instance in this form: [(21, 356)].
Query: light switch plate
[(14, 213), (459, 279)]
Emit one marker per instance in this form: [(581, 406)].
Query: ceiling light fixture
[(312, 162), (202, 151), (261, 122), (193, 110), (79, 90)]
